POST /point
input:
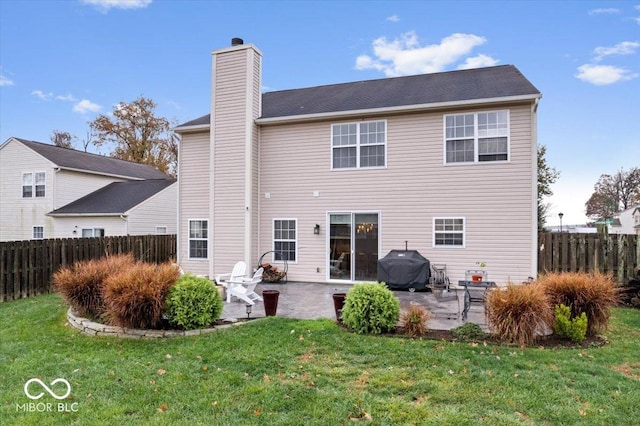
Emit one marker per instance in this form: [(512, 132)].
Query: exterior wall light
[(316, 229)]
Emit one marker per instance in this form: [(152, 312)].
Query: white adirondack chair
[(238, 273), (244, 288)]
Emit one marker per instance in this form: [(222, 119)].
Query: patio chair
[(440, 285), (244, 289), (238, 272)]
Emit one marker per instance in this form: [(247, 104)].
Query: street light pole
[(560, 216)]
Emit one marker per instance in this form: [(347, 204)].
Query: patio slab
[(315, 300)]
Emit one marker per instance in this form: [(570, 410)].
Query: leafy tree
[(613, 193), (62, 139), (138, 135), (547, 176)]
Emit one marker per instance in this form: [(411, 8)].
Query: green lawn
[(288, 372)]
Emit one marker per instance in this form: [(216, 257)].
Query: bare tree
[(62, 139), (136, 134), (547, 176)]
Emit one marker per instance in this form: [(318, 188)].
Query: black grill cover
[(404, 269)]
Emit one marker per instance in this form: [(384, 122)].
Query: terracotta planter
[(476, 278), (338, 304), (270, 302)]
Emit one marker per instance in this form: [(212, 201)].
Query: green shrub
[(82, 284), (134, 297), (193, 302), (592, 293), (370, 308), (469, 332), (517, 312), (570, 328), (414, 321)]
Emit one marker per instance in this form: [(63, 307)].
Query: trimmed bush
[(81, 284), (516, 312), (193, 302), (469, 332), (592, 293), (414, 321), (370, 308), (134, 297), (570, 328)]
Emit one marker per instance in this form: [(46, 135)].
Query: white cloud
[(602, 75), (393, 18), (4, 81), (40, 94), (479, 61), (85, 106), (623, 48), (105, 5), (406, 55), (69, 98), (604, 11)]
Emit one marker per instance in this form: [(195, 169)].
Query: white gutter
[(386, 110), (92, 172), (194, 128), (126, 224)]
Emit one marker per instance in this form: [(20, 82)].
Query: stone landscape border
[(91, 328)]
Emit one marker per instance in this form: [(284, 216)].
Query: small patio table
[(469, 286)]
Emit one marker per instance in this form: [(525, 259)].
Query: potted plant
[(479, 274)]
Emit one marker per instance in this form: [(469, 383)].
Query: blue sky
[(64, 62)]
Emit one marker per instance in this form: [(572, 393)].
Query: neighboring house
[(626, 222), (334, 177), (41, 185)]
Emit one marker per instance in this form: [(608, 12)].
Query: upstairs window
[(358, 145), (477, 137), (33, 184)]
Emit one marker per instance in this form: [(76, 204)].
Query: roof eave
[(194, 128), (93, 172), (396, 109), (94, 214)]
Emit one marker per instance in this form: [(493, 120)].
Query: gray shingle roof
[(452, 86), (115, 198), (78, 160)]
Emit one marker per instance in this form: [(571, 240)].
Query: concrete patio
[(314, 300)]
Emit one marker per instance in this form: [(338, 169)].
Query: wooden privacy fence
[(26, 267), (611, 254)]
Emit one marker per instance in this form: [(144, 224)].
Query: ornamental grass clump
[(82, 284), (193, 302), (592, 293), (370, 308), (135, 297), (414, 321), (517, 312)]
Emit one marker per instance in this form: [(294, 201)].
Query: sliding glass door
[(353, 246)]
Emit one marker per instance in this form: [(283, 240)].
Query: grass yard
[(286, 372)]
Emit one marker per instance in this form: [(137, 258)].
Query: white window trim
[(33, 184), (208, 239), (449, 247), (475, 138), (33, 232), (273, 240), (93, 231), (358, 145)]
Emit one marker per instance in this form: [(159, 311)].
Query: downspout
[(534, 139)]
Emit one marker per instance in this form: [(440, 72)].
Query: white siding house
[(38, 179), (334, 177), (627, 222)]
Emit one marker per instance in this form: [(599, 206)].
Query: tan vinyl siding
[(158, 210), (71, 185), (193, 190), (496, 199), (112, 225)]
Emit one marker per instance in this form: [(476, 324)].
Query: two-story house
[(627, 221), (333, 177), (52, 192)]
